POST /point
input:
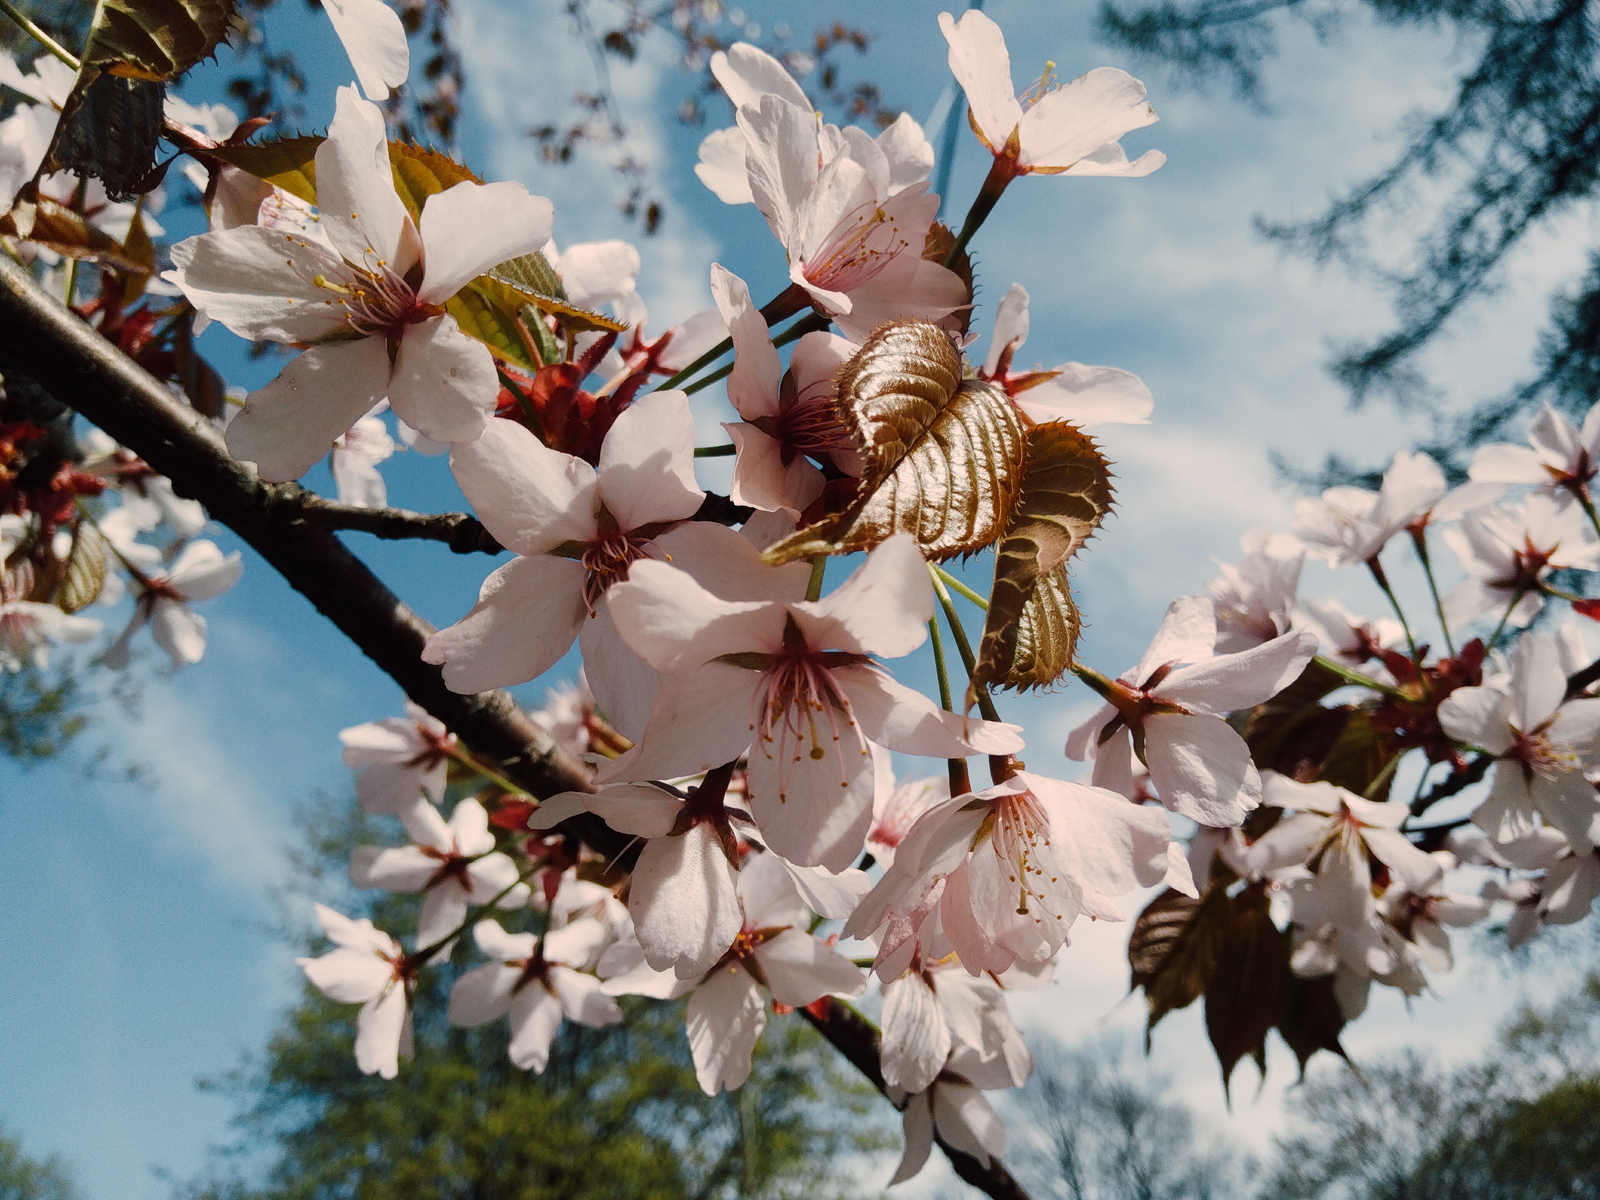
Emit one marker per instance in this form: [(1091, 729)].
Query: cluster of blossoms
[(743, 841)]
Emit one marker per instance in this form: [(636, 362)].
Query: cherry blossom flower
[(375, 40), (1348, 526), (1421, 918), (896, 807), (537, 982), (682, 895), (1561, 459), (162, 599), (1011, 868), (1254, 598), (354, 462), (1083, 395), (1345, 637), (147, 498), (933, 1008), (371, 332), (1352, 944), (955, 1108), (371, 969), (577, 532), (797, 681), (771, 952), (787, 416), (1049, 128), (456, 864), (596, 273), (1542, 746), (1507, 551), (746, 73), (855, 248), (1170, 715), (28, 630), (401, 760)]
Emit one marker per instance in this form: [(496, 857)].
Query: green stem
[(38, 35), (1349, 675), (819, 564), (962, 588), (1383, 776), (493, 776), (1382, 579), (705, 360), (1516, 599), (1419, 539), (727, 451), (1098, 683), (700, 384), (419, 957), (1001, 173), (963, 646), (1588, 507), (960, 780)]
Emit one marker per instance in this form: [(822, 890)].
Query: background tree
[(1518, 145), (617, 1115), (24, 1178)]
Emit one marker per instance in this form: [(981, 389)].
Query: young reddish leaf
[(1309, 1018), (1032, 626), (942, 456), (1587, 608), (58, 228), (1245, 992), (1173, 948)]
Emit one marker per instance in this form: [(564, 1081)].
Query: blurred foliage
[(1516, 147), (24, 1178), (616, 1116), (41, 713)]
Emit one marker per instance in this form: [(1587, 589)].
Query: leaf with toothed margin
[(942, 455), (1032, 625)]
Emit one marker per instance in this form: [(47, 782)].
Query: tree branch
[(44, 342)]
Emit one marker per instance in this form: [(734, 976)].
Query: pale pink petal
[(393, 868), (1083, 743), (286, 426), (624, 685), (965, 1120), (1420, 872), (767, 893), (1233, 681), (727, 565), (682, 900), (472, 228), (1201, 767), (1538, 684), (980, 62), (1478, 716), (380, 1029), (375, 40), (386, 788), (676, 624), (576, 944), (725, 1017), (642, 809), (527, 615), (1111, 159), (917, 1117), (444, 908), (469, 825), (259, 283), (492, 939), (829, 894), (647, 462), (360, 934), (444, 383), (815, 811), (883, 608), (530, 497), (203, 572), (1010, 330), (780, 159), (348, 975), (916, 1040), (535, 1020), (482, 994), (582, 1000), (760, 478), (1186, 634), (361, 214), (907, 289), (721, 167), (701, 719), (800, 968), (495, 875), (753, 385), (1089, 396), (747, 72), (178, 630), (596, 272), (1080, 117), (908, 152), (902, 719)]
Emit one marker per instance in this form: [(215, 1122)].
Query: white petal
[(883, 608), (393, 868), (753, 385), (725, 1018), (1478, 716), (902, 719), (1079, 118), (526, 617), (1187, 633), (530, 497), (1201, 768), (178, 630), (444, 383), (361, 213), (348, 975), (1233, 681), (375, 40), (286, 426), (747, 72), (647, 462), (582, 1000), (258, 282), (535, 1019), (684, 908), (917, 1125), (472, 228), (482, 994), (380, 1030), (801, 968), (916, 1040), (721, 167), (980, 61), (1089, 396), (701, 719)]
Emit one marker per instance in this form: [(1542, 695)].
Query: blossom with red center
[(455, 864), (1543, 742), (401, 759), (162, 598), (371, 969), (366, 291), (28, 630), (789, 416), (1049, 128), (1007, 871), (1170, 716), (793, 684), (1561, 459), (578, 532), (537, 982), (1508, 551)]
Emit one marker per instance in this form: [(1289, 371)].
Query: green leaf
[(85, 573), (420, 172), (1246, 988), (1032, 625), (288, 163), (535, 281), (486, 312), (942, 455)]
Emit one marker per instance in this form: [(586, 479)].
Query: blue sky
[(147, 949)]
